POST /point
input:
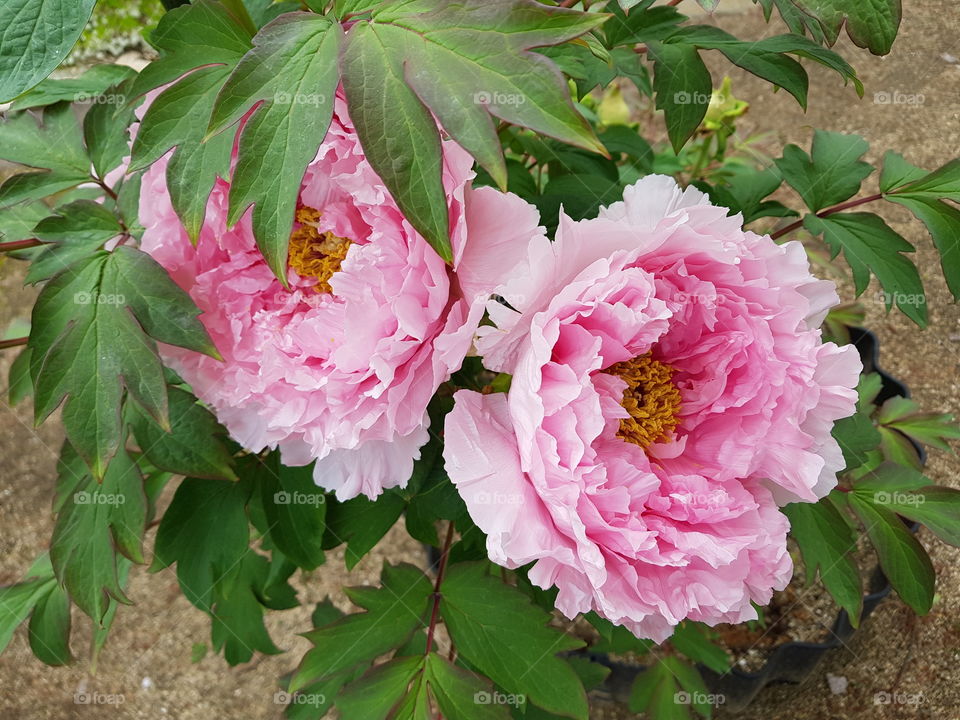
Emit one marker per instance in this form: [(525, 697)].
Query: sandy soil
[(147, 662)]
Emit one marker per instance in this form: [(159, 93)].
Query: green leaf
[(91, 84), (192, 446), (95, 519), (295, 509), (98, 320), (106, 129), (77, 231), (54, 144), (19, 383), (655, 691), (693, 640), (462, 694), (35, 36), (870, 245), (380, 690), (17, 221), (943, 223), (938, 508), (871, 24), (683, 87), (902, 558), (292, 70), (361, 523), (897, 172), (941, 183), (393, 613), (497, 629), (831, 173), (49, 631), (903, 415), (205, 532), (744, 190), (237, 626), (643, 23), (856, 436), (826, 544), (18, 601)]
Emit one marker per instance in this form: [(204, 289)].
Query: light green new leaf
[(683, 87), (194, 444), (901, 556), (35, 36), (496, 628), (826, 544), (95, 519), (393, 613), (292, 71), (205, 532), (870, 245), (831, 173)]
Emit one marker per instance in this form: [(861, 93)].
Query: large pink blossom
[(341, 366), (662, 304)]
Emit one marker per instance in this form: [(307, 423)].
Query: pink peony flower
[(339, 368), (670, 390)]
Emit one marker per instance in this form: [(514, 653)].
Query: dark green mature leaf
[(201, 33), (77, 231), (871, 24), (35, 35), (856, 436), (496, 628), (831, 173), (205, 532), (642, 24), (393, 613), (655, 691), (462, 694), (361, 523), (943, 182), (17, 601), (91, 84), (99, 320), (17, 221), (904, 415), (292, 70), (95, 519), (19, 383), (870, 245), (295, 509), (380, 690), (897, 172), (194, 444), (744, 190), (798, 21), (683, 87), (237, 626), (106, 129), (901, 556), (938, 508), (694, 640), (49, 631), (55, 146), (826, 544)]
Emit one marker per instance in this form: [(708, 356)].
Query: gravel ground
[(912, 662)]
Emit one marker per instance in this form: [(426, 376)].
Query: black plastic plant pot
[(791, 662)]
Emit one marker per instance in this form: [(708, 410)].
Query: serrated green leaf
[(77, 231), (54, 144), (106, 129), (194, 444), (943, 182), (856, 436), (897, 172), (943, 223), (460, 693), (17, 222), (380, 690), (237, 627), (870, 245), (933, 429), (35, 36), (92, 83), (831, 173), (18, 601), (205, 532), (655, 691), (901, 556), (826, 544), (94, 520), (871, 24), (683, 87), (642, 24), (393, 613), (498, 631)]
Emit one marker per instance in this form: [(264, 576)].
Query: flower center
[(650, 397), (313, 253)]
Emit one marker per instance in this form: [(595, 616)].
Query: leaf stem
[(20, 245), (441, 570), (13, 342), (825, 212)]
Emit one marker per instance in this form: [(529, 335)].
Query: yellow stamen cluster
[(313, 253), (650, 397)]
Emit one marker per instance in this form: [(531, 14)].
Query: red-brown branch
[(824, 213), (441, 570)]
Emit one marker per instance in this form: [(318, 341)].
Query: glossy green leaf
[(683, 87), (831, 173), (77, 231)]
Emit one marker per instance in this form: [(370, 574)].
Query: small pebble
[(837, 683), (947, 57), (146, 683)]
